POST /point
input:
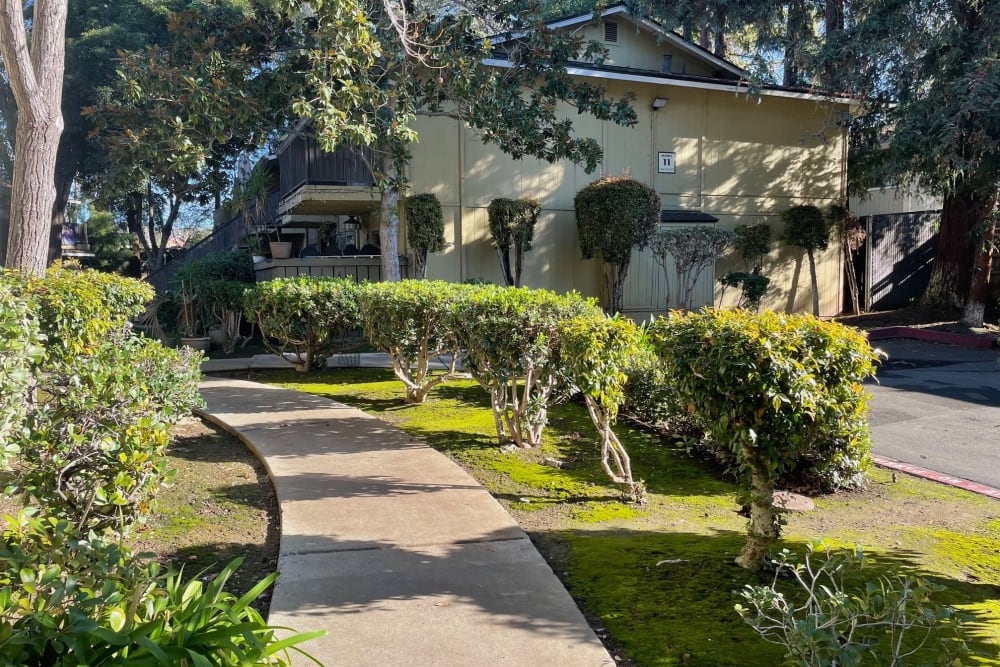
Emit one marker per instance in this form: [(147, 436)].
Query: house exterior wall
[(741, 159)]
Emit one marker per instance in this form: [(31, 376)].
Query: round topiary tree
[(806, 227), (512, 226), (769, 387), (613, 216), (424, 229)]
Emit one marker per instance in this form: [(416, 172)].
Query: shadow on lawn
[(667, 597)]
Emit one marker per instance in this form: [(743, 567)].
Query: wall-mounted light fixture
[(659, 103)]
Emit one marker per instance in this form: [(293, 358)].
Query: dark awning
[(686, 216)]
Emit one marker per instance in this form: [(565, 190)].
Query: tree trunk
[(763, 528), (503, 256), (813, 281), (4, 220), (615, 275), (979, 293), (420, 264), (64, 184), (518, 263), (962, 214), (388, 226), (35, 78)]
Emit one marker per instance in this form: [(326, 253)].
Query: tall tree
[(36, 77)]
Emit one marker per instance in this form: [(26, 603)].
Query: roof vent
[(610, 31)]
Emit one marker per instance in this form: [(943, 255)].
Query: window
[(610, 31), (666, 63)]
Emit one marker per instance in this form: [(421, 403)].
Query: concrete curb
[(932, 336), (949, 480)]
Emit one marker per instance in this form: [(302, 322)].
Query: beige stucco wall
[(741, 159)]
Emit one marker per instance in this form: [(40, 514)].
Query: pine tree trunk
[(35, 78), (388, 226), (951, 273)]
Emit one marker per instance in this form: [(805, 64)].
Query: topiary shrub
[(613, 216), (594, 352), (308, 317), (752, 244), (753, 288), (424, 229), (510, 344), (512, 226), (693, 249), (770, 388), (410, 321), (806, 227)]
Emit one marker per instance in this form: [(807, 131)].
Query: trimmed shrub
[(753, 287), (225, 300), (613, 216), (808, 228), (512, 226), (424, 228), (308, 317), (511, 346), (651, 400), (69, 600), (223, 265), (77, 311), (753, 242), (772, 389), (595, 351), (20, 349), (97, 431), (410, 321), (693, 250)]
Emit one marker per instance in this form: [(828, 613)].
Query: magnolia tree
[(615, 215), (411, 321), (768, 387), (595, 351), (512, 226), (693, 250), (510, 344)]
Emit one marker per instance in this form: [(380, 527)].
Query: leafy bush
[(20, 349), (511, 345), (772, 389), (306, 316), (73, 601), (225, 299), (512, 226), (693, 250), (651, 400), (410, 321), (77, 311), (97, 431), (195, 285), (808, 228), (424, 228), (595, 351), (613, 216), (889, 621), (753, 242), (234, 265), (753, 287)]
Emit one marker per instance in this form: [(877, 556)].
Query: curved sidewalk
[(394, 549)]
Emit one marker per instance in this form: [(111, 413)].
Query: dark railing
[(303, 162), (224, 237), (360, 268)]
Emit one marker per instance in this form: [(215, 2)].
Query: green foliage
[(595, 351), (307, 316), (806, 227), (98, 429), (889, 620), (613, 216), (510, 342), (773, 389), (752, 243), (753, 287), (72, 601), (512, 226), (112, 247), (20, 349), (411, 321), (693, 250), (651, 399), (424, 227), (77, 311)]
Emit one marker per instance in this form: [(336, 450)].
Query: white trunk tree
[(36, 79)]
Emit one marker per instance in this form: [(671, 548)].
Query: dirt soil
[(923, 317)]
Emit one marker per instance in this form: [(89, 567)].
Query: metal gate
[(894, 265)]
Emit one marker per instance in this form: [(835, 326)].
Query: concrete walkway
[(394, 549)]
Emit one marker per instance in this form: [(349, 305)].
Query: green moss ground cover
[(660, 580)]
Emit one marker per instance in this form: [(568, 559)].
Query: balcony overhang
[(311, 199)]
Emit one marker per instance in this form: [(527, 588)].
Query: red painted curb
[(917, 471), (961, 340)]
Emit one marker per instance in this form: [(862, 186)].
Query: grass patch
[(660, 580)]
